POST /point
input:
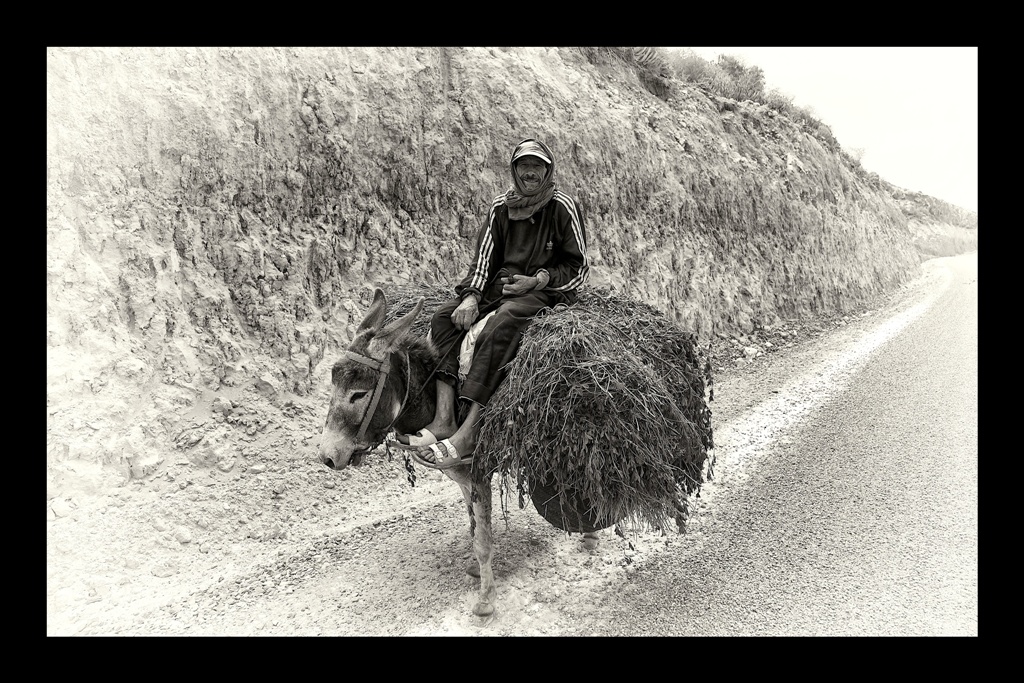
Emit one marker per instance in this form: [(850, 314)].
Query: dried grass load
[(604, 415)]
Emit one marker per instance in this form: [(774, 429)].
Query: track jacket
[(554, 239)]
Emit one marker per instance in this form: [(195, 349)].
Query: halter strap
[(383, 367)]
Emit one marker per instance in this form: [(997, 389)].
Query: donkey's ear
[(390, 335), (375, 315)]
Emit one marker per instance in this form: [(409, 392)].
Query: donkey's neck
[(422, 388)]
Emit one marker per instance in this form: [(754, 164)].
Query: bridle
[(383, 368)]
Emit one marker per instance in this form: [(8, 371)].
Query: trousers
[(495, 347)]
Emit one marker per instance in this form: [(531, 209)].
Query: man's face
[(531, 172)]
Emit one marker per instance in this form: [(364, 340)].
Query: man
[(530, 255)]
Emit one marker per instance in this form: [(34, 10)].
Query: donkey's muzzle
[(337, 463)]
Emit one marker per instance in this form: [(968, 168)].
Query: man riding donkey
[(530, 255)]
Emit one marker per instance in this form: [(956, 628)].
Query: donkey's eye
[(355, 396)]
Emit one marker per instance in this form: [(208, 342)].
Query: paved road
[(859, 518)]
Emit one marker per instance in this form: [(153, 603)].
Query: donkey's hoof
[(590, 541), (483, 609), (473, 567)]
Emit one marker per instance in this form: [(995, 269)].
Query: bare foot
[(451, 452), (432, 433), (464, 443)]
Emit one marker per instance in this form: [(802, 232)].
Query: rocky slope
[(217, 219)]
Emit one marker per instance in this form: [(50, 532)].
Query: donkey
[(385, 381)]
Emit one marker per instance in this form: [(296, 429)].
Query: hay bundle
[(604, 414), (402, 299)]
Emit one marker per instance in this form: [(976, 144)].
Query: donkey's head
[(365, 400)]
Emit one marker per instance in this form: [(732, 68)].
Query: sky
[(912, 110)]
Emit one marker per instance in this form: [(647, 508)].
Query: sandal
[(443, 459)]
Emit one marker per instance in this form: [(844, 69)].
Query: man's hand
[(519, 284), (466, 314)]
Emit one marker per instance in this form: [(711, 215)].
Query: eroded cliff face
[(219, 217)]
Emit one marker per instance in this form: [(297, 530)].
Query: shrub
[(746, 82), (780, 102), (729, 77), (690, 67), (653, 70), (604, 55)]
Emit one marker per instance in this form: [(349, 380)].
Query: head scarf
[(521, 204)]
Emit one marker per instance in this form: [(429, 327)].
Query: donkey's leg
[(465, 439), (482, 544), (590, 540), (460, 475)]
